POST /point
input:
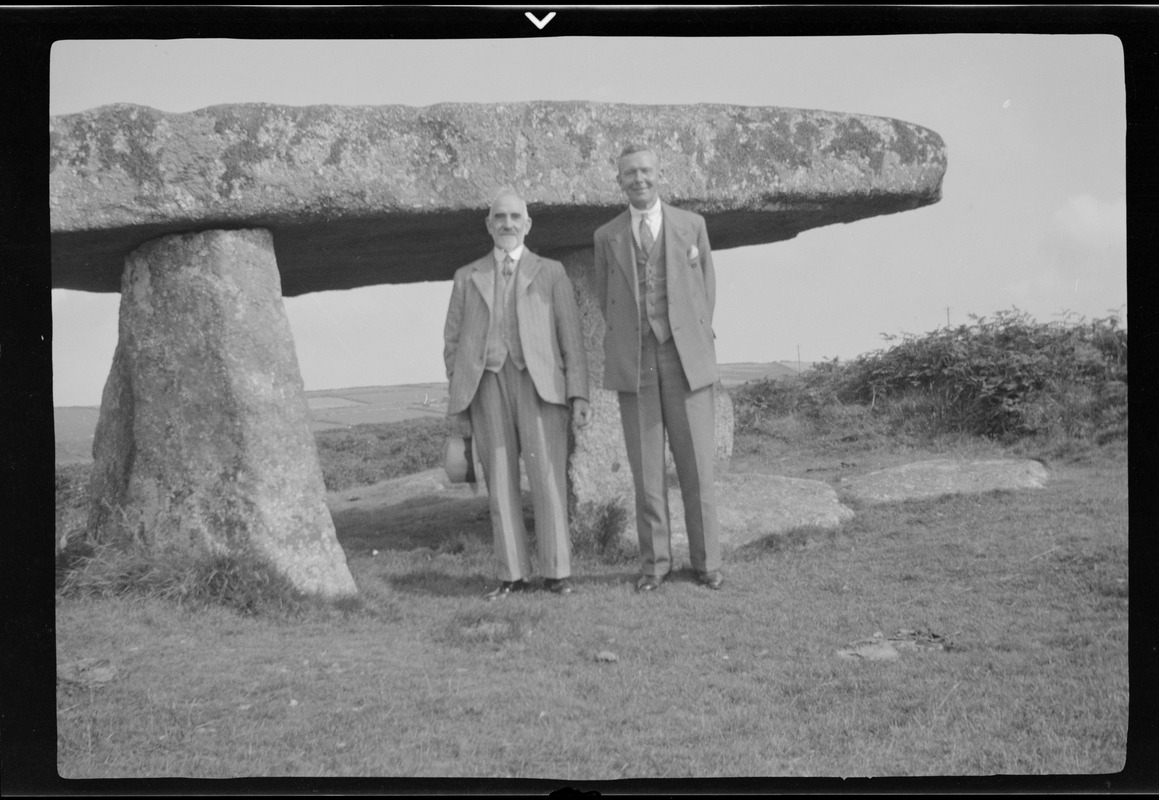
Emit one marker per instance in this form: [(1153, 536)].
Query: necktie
[(508, 267), (646, 238)]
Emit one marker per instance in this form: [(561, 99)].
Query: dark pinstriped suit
[(664, 388)]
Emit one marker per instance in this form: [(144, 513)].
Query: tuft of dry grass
[(246, 585), (597, 531)]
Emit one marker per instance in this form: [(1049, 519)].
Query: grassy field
[(421, 678), (1023, 597)]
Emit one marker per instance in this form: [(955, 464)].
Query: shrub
[(986, 377), (1005, 377)]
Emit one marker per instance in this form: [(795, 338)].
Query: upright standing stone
[(203, 442)]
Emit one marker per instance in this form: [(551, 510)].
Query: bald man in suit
[(657, 290), (515, 361)]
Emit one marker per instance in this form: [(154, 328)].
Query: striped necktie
[(646, 237)]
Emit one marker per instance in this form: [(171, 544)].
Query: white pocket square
[(693, 253)]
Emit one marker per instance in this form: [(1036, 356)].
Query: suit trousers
[(508, 418), (664, 403)]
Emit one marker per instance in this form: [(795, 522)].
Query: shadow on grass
[(411, 525), (436, 583), (581, 578), (802, 536)]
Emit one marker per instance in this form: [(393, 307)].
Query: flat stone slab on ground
[(923, 479), (431, 484), (751, 506)]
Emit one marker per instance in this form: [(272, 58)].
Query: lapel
[(624, 250), (673, 234), (483, 276), (528, 268)]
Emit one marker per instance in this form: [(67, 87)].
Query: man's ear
[(527, 226)]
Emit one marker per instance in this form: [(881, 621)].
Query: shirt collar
[(499, 254), (652, 212)]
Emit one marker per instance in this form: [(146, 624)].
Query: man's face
[(638, 178), (508, 222)]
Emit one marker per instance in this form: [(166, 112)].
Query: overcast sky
[(1033, 213)]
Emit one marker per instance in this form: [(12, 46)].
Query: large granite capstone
[(365, 195)]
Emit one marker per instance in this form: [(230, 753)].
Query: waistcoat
[(652, 274), (503, 332)]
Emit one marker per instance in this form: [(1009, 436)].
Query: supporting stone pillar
[(203, 442), (599, 471)]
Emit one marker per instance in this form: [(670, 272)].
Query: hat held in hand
[(461, 461)]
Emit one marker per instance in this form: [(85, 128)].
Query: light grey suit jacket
[(691, 298), (549, 330)]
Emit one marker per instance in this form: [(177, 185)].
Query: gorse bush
[(990, 376), (1003, 377)]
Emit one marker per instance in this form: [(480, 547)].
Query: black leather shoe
[(506, 588), (559, 585), (712, 580), (648, 583)]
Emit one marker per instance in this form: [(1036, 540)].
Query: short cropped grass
[(422, 678)]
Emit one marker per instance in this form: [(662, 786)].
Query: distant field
[(736, 374), (342, 408), (74, 427)]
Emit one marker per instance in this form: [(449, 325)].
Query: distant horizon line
[(787, 363)]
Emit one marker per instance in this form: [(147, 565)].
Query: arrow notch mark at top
[(535, 19)]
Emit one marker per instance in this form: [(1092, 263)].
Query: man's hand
[(581, 411), (462, 424)]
